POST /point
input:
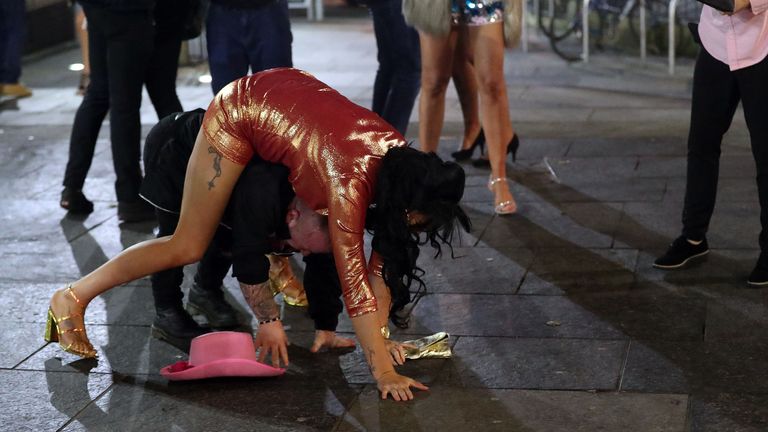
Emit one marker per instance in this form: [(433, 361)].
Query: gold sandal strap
[(72, 330), (72, 293), (67, 318)]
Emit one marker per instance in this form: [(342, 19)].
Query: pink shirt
[(739, 40)]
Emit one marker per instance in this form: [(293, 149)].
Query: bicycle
[(564, 18)]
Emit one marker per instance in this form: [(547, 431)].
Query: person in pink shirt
[(731, 68)]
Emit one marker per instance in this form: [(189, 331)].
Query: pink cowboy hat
[(220, 354)]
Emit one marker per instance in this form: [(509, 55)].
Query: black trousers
[(211, 270), (398, 78), (124, 53), (323, 288), (716, 93), (120, 45), (161, 74)]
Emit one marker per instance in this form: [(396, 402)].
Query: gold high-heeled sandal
[(53, 330), (505, 207), (282, 280)]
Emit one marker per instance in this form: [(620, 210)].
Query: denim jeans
[(717, 92), (238, 39), (398, 78), (120, 46), (12, 15)]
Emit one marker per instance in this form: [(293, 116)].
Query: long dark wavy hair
[(412, 181)]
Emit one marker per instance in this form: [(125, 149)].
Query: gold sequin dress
[(332, 146)]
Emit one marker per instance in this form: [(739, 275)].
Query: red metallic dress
[(332, 147)]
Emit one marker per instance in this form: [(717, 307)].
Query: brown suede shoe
[(16, 89)]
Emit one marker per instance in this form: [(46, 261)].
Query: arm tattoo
[(369, 356), (216, 166), (261, 300)]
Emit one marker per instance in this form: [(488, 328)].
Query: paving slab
[(738, 315), (518, 410), (508, 315), (45, 401), (731, 412), (216, 404), (704, 367), (18, 341), (504, 271), (650, 314), (594, 271), (645, 147), (525, 363)]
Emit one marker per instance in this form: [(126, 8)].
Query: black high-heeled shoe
[(465, 154), (512, 147)]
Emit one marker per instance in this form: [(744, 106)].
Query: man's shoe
[(176, 326), (680, 252), (759, 276), (135, 211), (211, 304), (75, 202), (16, 90)]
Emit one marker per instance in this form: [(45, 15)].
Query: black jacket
[(121, 5), (243, 4)]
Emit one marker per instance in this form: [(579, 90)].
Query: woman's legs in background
[(487, 43), (207, 188), (436, 61), (465, 81)]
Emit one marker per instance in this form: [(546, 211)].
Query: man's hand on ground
[(271, 338), (329, 339)]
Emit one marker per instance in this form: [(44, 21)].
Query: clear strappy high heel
[(505, 207)]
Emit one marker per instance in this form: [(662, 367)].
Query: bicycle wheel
[(560, 21)]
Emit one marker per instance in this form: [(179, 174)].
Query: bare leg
[(487, 42), (436, 61), (465, 81), (207, 187)]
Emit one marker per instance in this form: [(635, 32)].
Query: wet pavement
[(557, 320)]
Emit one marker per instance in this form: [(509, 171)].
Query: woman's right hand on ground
[(271, 338), (399, 386)]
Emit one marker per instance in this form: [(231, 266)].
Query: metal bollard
[(585, 31), (671, 50)]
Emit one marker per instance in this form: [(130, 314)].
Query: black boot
[(135, 211), (759, 276), (175, 326), (211, 303), (75, 202)]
